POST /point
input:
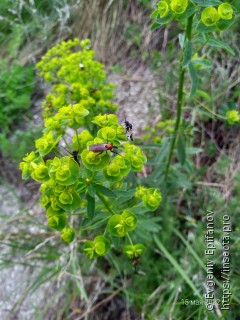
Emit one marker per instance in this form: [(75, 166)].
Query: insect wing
[(97, 147)]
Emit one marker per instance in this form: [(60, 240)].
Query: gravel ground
[(136, 96)]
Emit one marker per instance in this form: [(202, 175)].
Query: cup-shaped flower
[(57, 222), (47, 187), (152, 198), (225, 11), (68, 234), (119, 225), (29, 163), (55, 164), (66, 197), (163, 8), (63, 173), (116, 226), (44, 200), (102, 245), (140, 191), (98, 247), (80, 141), (69, 199), (113, 170), (106, 120), (89, 249), (134, 251), (54, 203), (179, 6), (117, 169), (30, 157), (135, 157), (94, 160), (233, 116), (54, 212), (72, 115), (130, 220), (46, 143), (66, 173), (107, 133), (40, 173), (26, 169), (58, 189), (210, 16)]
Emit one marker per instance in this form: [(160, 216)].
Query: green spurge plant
[(75, 77), (83, 190), (199, 19)]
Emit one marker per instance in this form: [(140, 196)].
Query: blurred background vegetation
[(55, 283)]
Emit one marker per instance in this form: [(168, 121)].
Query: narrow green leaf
[(202, 63), (155, 26), (225, 24), (202, 28), (154, 14), (203, 94), (169, 17), (181, 38), (105, 191), (181, 150), (125, 194), (85, 222), (187, 54), (177, 266), (90, 206), (207, 3), (194, 79), (193, 150), (220, 44), (91, 190)]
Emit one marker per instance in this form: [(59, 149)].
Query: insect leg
[(99, 154)]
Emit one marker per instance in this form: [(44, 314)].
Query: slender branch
[(77, 140), (129, 238), (104, 202), (179, 97)]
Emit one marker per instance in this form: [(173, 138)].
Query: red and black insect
[(128, 128), (101, 147)]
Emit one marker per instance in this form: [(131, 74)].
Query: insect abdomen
[(97, 147)]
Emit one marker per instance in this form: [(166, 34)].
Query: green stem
[(67, 145), (129, 238), (179, 97), (77, 140), (104, 202)]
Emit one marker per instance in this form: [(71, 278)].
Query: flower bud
[(57, 222), (225, 11), (68, 234), (152, 199), (233, 116), (179, 6), (40, 173), (163, 8), (133, 251), (113, 170), (209, 16), (66, 197), (63, 173)]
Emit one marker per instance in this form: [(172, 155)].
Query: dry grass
[(106, 22)]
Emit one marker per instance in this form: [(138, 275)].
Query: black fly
[(74, 154), (128, 128)]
